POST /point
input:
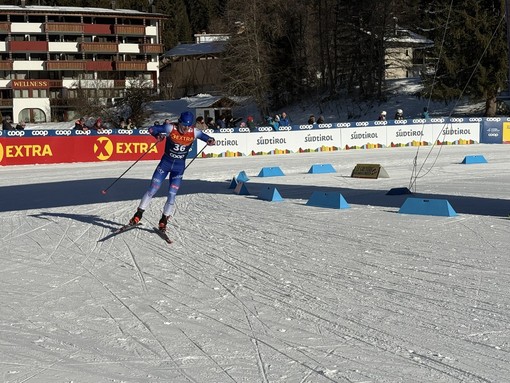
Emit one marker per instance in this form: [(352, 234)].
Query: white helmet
[(400, 111), (383, 113)]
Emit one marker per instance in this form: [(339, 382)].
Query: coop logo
[(103, 148), (40, 133), (65, 132), (15, 133)]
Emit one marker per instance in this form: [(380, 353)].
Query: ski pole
[(104, 191), (193, 159)]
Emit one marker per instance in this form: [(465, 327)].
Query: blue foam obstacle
[(241, 189), (478, 159), (399, 191), (271, 172), (321, 168), (438, 207), (233, 183), (330, 200), (242, 177), (271, 194)]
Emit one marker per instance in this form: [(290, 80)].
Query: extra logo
[(1, 153), (103, 148)]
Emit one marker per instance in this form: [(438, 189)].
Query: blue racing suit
[(172, 162)]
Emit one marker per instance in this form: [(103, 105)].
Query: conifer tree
[(472, 59)]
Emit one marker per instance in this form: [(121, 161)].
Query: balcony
[(6, 65), (28, 46), (139, 66), (99, 66), (91, 47), (63, 28), (97, 29), (151, 48), (129, 30), (65, 65), (56, 83), (5, 27)]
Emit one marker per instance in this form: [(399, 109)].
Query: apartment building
[(51, 57)]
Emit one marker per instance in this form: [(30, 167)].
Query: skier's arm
[(205, 137), (160, 131)]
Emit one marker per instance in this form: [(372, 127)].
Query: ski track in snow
[(258, 291)]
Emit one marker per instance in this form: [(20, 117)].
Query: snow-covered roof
[(409, 37), (75, 10), (201, 49)]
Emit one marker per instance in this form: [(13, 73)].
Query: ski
[(121, 229), (163, 235)]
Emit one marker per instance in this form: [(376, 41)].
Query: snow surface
[(254, 290)]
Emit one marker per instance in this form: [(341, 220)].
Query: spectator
[(221, 122), (156, 123), (200, 123), (6, 123), (311, 120), (284, 119), (98, 125), (320, 120), (382, 116), (251, 124), (210, 123), (425, 113), (80, 124), (20, 125), (399, 115), (275, 122), (130, 124), (122, 123)]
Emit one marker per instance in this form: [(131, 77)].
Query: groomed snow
[(253, 290)]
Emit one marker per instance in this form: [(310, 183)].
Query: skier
[(179, 138)]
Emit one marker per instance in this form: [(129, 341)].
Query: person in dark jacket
[(6, 124)]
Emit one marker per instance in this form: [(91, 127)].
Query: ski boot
[(136, 218), (162, 223)]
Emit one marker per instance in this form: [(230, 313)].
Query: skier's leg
[(175, 183)]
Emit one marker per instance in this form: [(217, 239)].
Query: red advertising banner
[(50, 149)]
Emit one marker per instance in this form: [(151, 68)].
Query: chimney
[(23, 3)]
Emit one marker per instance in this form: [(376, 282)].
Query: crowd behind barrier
[(18, 147)]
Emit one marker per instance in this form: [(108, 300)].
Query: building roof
[(405, 36), (76, 10), (213, 47)]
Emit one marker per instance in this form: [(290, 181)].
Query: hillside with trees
[(282, 51)]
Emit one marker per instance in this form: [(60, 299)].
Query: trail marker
[(271, 172), (437, 207), (478, 159), (321, 168), (271, 194), (330, 200)]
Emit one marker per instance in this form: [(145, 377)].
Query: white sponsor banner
[(363, 137), (457, 133), (409, 135), (227, 145), (271, 142), (354, 137)]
